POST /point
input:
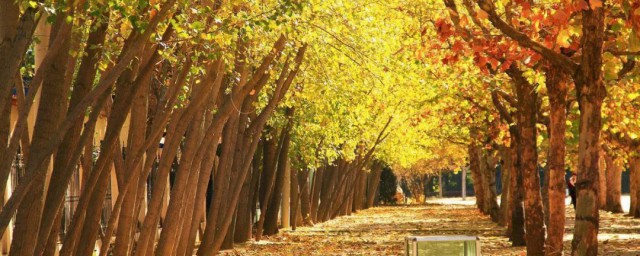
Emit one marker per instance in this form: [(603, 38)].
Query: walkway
[(380, 231)]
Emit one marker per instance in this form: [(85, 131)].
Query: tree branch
[(504, 113), (523, 40)]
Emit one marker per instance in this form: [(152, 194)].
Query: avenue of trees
[(556, 88), (183, 127)]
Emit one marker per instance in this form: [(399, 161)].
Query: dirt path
[(381, 231)]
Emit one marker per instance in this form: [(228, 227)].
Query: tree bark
[(633, 186), (269, 152), (16, 36), (634, 164), (602, 181), (614, 184), (556, 83), (325, 193), (285, 213), (506, 195), (474, 166), (527, 113), (50, 112), (373, 182), (304, 195), (318, 180), (591, 92), (517, 234), (271, 223), (295, 200), (488, 173)]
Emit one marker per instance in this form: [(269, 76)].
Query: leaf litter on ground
[(381, 231)]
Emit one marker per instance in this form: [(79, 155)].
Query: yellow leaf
[(564, 37)]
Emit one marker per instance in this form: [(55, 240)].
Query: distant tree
[(388, 184)]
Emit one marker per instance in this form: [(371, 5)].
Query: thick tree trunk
[(318, 180), (269, 152), (634, 165), (476, 175), (91, 223), (505, 197), (295, 199), (360, 192), (488, 173), (633, 186), (614, 184), (325, 193), (271, 221), (65, 162), (557, 87), (137, 131), (227, 244), (285, 213), (16, 36), (527, 111), (50, 112), (517, 234), (304, 195), (545, 191), (189, 167), (178, 199), (9, 19), (244, 221), (602, 181), (373, 182), (591, 92)]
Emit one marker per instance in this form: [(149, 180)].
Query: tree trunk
[(634, 165), (360, 194), (591, 92), (505, 198), (271, 221), (474, 166), (128, 214), (614, 183), (602, 180), (9, 20), (244, 221), (325, 193), (16, 36), (527, 111), (318, 180), (305, 206), (269, 152), (295, 199), (488, 173), (517, 234), (633, 187), (285, 215), (556, 83), (178, 200), (50, 113), (373, 182)]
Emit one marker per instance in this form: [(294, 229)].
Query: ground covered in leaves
[(381, 231)]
